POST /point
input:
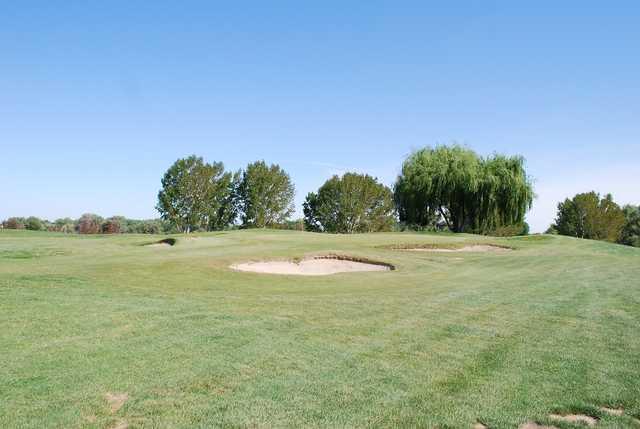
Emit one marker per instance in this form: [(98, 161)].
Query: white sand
[(575, 418), (309, 267), (473, 248)]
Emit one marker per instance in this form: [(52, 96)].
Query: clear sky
[(97, 99)]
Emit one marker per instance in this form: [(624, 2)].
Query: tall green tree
[(265, 195), (348, 204), (587, 215), (197, 196), (631, 230), (34, 224), (453, 185)]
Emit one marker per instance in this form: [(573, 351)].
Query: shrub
[(511, 230)]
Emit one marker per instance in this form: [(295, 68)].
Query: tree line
[(439, 188), (90, 223), (446, 187)]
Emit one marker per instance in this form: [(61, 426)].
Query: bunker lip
[(451, 248), (575, 418), (165, 242), (320, 265)]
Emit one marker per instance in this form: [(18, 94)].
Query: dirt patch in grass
[(479, 425), (122, 424), (116, 400), (452, 248), (315, 266), (575, 418)]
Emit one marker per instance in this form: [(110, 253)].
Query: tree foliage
[(586, 215), (348, 204), (14, 223), (631, 230), (89, 223), (265, 195), (197, 196), (66, 225), (114, 225), (34, 224), (453, 185)]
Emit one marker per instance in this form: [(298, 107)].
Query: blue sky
[(97, 99)]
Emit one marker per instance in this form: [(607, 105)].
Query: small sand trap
[(532, 425), (472, 248), (320, 266), (479, 425), (612, 411), (116, 400), (575, 418)]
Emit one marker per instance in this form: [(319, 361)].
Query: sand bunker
[(575, 418), (612, 411), (532, 425), (166, 242), (319, 266), (471, 248)]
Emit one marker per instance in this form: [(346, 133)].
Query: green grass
[(445, 340)]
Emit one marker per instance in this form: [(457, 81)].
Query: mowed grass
[(445, 340)]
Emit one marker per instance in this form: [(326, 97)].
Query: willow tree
[(467, 193), (505, 193)]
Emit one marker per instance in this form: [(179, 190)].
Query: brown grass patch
[(116, 400), (122, 424)]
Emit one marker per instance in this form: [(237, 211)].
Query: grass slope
[(444, 341)]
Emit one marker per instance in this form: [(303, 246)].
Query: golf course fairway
[(106, 331)]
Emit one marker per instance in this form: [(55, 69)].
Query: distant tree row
[(90, 224), (198, 196), (587, 215), (443, 187)]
